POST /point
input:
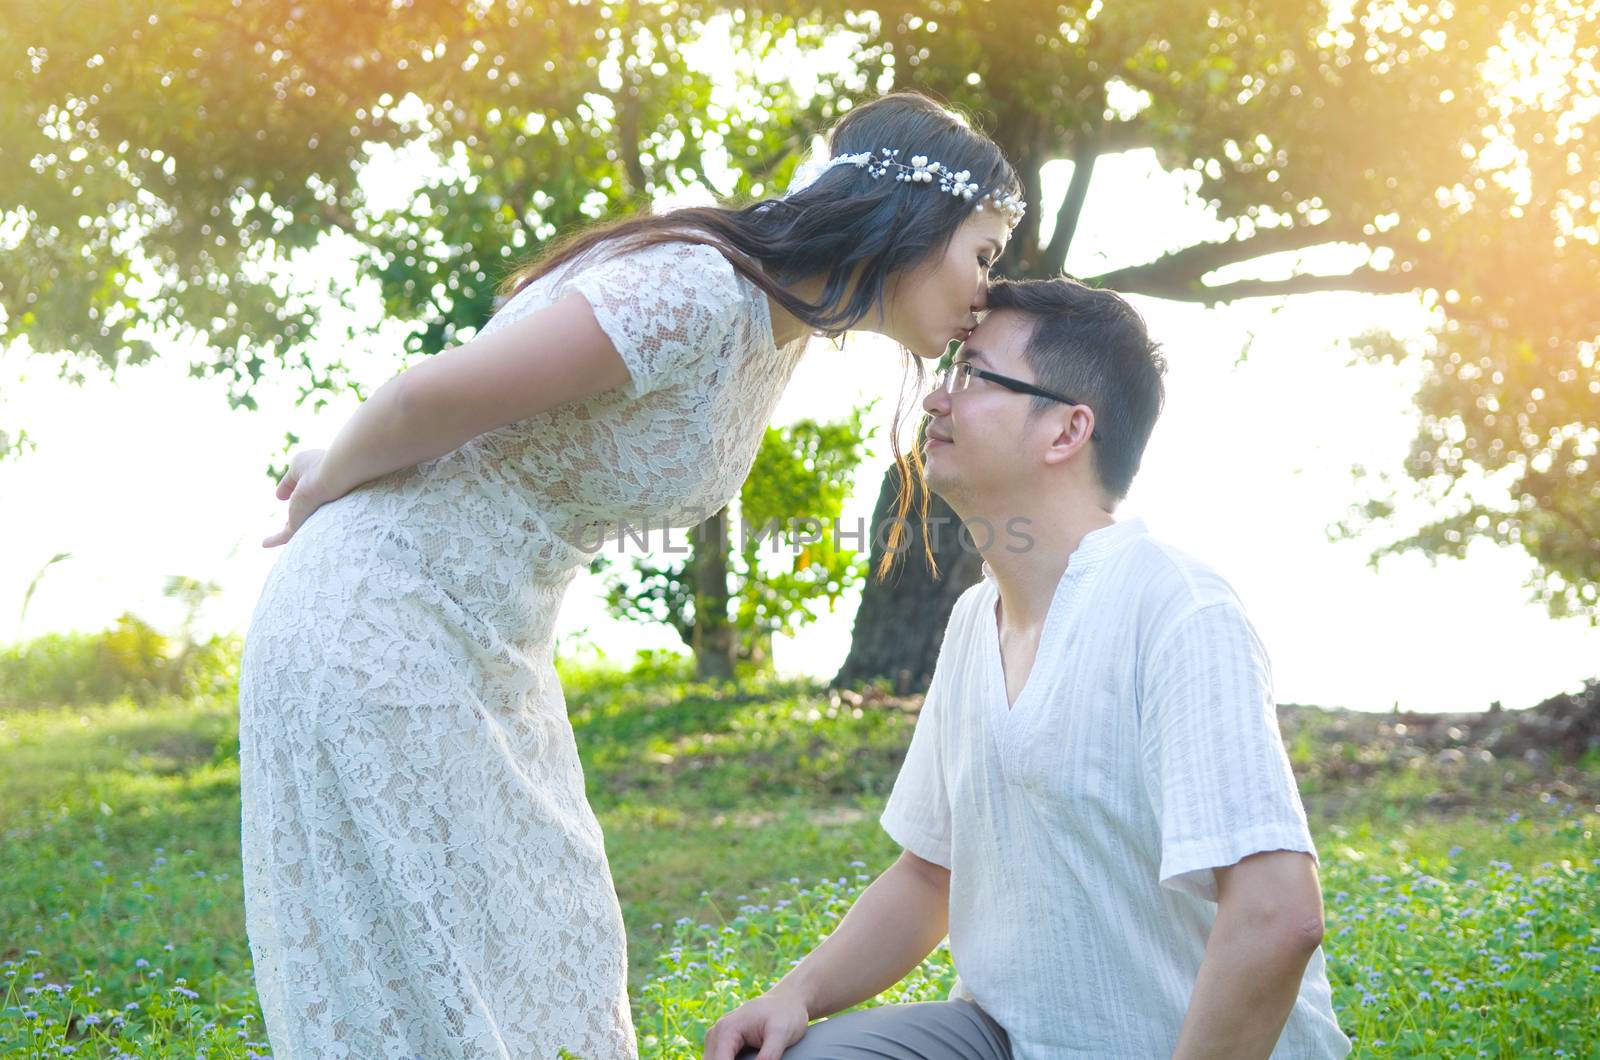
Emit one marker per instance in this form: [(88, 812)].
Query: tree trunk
[(713, 639), (755, 648), (901, 621)]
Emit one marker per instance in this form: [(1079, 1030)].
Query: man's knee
[(930, 1030)]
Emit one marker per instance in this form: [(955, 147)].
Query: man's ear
[(1073, 433), (1082, 424)]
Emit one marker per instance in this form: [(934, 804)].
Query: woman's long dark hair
[(853, 230)]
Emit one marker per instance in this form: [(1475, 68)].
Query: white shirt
[(1081, 824)]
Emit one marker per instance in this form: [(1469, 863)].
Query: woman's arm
[(549, 358)]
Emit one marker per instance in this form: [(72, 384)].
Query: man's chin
[(939, 483)]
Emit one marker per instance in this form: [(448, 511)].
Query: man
[(1096, 805)]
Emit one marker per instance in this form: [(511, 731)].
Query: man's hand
[(774, 1021), (893, 925)]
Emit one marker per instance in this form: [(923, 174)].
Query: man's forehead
[(997, 340)]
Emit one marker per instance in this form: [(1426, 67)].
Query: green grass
[(740, 824), (1432, 952), (121, 846)]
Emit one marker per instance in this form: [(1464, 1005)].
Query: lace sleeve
[(664, 308)]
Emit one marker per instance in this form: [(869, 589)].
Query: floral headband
[(920, 171)]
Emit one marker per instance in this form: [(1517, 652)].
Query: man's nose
[(937, 401)]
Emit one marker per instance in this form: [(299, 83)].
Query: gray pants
[(931, 1030)]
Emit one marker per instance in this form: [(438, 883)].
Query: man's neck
[(1027, 572)]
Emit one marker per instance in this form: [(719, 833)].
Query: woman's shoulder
[(675, 277), (684, 253), (680, 267)]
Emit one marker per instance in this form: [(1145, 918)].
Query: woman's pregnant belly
[(356, 605)]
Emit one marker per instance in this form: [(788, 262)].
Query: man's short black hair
[(1090, 345)]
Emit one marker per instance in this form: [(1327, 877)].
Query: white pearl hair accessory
[(920, 171)]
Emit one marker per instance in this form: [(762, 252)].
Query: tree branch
[(1186, 267), (1365, 280), (1586, 534), (1083, 157), (331, 79), (1127, 135), (628, 137), (762, 170), (335, 215)]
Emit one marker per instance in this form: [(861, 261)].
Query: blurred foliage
[(167, 160), (13, 447), (163, 163), (1454, 142), (131, 659), (33, 586), (789, 509), (793, 501), (1506, 452)]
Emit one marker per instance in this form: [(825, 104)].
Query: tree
[(1446, 140), (900, 624), (168, 161), (171, 161), (1519, 475), (164, 164)]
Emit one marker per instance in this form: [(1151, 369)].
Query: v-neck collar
[(1092, 550)]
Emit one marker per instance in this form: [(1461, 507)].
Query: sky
[(1267, 411)]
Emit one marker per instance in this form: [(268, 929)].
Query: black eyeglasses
[(957, 376)]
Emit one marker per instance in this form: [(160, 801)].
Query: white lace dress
[(423, 874)]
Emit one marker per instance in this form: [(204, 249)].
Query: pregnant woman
[(423, 874)]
